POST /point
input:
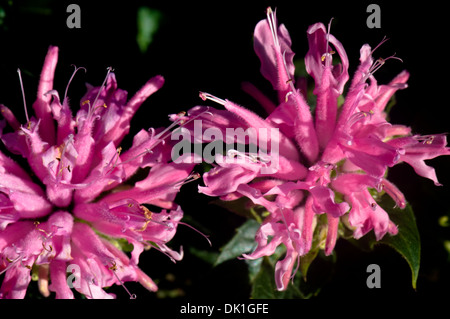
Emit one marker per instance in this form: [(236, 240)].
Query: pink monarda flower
[(70, 208), (338, 152)]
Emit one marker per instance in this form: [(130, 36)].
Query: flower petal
[(42, 104)]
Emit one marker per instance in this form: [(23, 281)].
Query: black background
[(207, 46)]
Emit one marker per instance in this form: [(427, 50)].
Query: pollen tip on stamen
[(287, 96), (109, 69), (206, 96), (271, 20), (147, 212), (191, 177), (378, 64), (50, 249), (113, 269), (113, 265)]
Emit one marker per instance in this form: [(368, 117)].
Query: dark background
[(207, 46)]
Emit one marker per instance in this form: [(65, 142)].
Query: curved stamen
[(192, 177), (327, 55), (70, 80), (290, 80), (114, 161), (356, 117), (114, 268), (110, 69), (254, 158), (195, 229), (206, 96), (382, 41), (273, 26), (11, 262), (378, 64), (61, 157), (287, 96), (45, 238), (425, 139), (47, 249), (23, 95)]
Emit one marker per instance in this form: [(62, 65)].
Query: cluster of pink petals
[(339, 151), (68, 208)]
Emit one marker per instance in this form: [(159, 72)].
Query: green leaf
[(407, 241), (390, 105), (148, 21), (254, 266), (124, 245), (205, 255), (306, 260), (242, 242)]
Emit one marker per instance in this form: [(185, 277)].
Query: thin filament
[(23, 95)]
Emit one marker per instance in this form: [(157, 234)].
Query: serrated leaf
[(407, 241), (242, 242)]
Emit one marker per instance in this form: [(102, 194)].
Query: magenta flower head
[(331, 162), (66, 211)]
